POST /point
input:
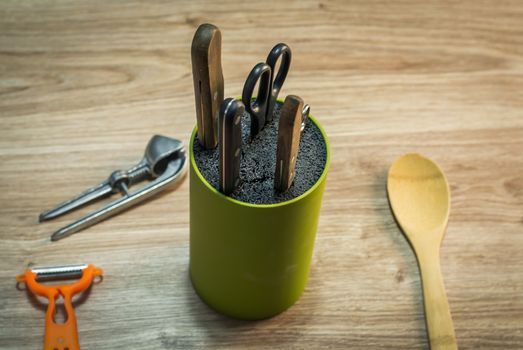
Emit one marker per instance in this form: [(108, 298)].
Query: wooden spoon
[(420, 199)]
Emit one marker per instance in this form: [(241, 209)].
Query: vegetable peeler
[(60, 336), (165, 161)]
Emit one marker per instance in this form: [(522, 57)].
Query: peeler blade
[(47, 273)]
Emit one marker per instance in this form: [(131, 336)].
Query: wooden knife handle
[(289, 132), (230, 146), (208, 82)]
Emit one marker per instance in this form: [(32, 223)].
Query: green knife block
[(251, 261)]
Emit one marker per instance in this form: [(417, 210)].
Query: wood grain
[(206, 52), (84, 85), (289, 133)]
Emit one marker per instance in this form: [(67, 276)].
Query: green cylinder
[(251, 261)]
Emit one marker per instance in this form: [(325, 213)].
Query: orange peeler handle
[(62, 336)]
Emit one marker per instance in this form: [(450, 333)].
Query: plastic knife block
[(251, 261)]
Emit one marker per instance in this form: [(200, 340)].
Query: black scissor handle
[(257, 108), (277, 79)]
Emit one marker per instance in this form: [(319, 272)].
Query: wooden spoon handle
[(437, 311)]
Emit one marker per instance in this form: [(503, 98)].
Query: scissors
[(270, 83)]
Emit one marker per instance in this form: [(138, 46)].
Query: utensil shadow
[(221, 331)]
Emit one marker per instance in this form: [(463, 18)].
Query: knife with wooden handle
[(289, 132), (230, 144), (208, 82)]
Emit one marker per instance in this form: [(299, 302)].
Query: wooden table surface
[(84, 85)]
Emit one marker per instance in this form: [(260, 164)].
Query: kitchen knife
[(208, 82), (289, 132), (230, 144)]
